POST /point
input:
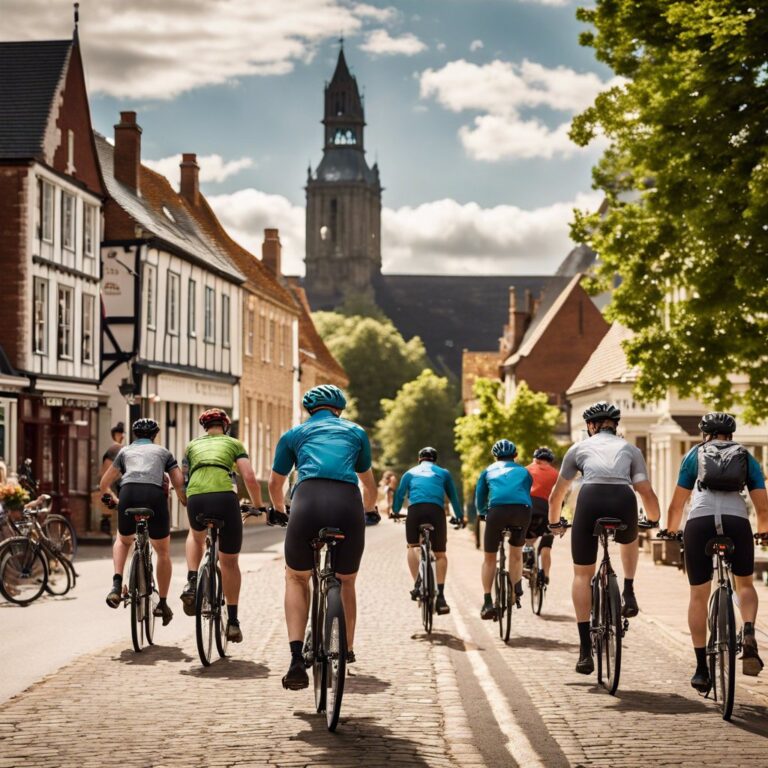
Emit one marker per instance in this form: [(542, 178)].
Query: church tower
[(343, 237)]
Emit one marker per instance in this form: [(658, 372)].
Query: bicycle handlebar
[(458, 523), (762, 538), (108, 501), (647, 524), (277, 518), (248, 510)]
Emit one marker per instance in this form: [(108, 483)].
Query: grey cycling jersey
[(144, 462), (605, 458)]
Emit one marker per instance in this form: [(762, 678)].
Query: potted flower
[(13, 497)]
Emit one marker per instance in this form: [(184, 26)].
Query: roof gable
[(607, 363)]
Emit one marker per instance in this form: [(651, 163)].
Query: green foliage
[(686, 182), (422, 413), (529, 421), (375, 356)]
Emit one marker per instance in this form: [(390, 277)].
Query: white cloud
[(443, 236), (159, 50), (213, 168), (476, 45), (501, 90), (380, 43), (441, 46)]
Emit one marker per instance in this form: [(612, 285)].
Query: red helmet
[(214, 416)]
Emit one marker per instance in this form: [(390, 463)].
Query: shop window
[(89, 303), (40, 320), (65, 295)]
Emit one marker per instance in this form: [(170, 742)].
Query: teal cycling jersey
[(427, 484), (503, 482), (324, 446)]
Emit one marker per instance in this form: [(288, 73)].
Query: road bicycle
[(534, 573)]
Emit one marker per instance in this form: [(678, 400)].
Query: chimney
[(190, 178), (271, 251), (128, 151)]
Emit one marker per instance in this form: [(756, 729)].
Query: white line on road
[(517, 745)]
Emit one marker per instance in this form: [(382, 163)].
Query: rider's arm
[(481, 494), (453, 496), (177, 480), (285, 459), (676, 508), (557, 497), (277, 490), (402, 489), (756, 488), (109, 477), (370, 491), (253, 486), (650, 500)]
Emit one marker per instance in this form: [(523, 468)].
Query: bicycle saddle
[(609, 524), (721, 545), (426, 527), (331, 534), (140, 512), (216, 522)]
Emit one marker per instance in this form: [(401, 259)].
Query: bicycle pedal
[(626, 624)]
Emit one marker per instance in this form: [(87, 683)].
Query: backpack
[(722, 466)]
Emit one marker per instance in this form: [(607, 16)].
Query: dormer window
[(168, 215)]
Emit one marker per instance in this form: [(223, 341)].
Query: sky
[(468, 104)]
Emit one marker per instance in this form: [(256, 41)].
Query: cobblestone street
[(457, 698)]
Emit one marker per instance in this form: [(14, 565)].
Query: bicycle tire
[(23, 571), (61, 534), (537, 591), (510, 603), (59, 580), (336, 656), (221, 621), (151, 597), (722, 650), (613, 634), (204, 619), (427, 591), (319, 663), (135, 579), (500, 587), (596, 631)]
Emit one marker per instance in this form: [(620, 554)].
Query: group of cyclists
[(335, 487)]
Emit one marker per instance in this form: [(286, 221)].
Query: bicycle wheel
[(336, 655), (136, 590), (151, 598), (722, 650), (59, 580), (221, 617), (537, 591), (510, 595), (500, 587), (614, 630), (320, 661), (61, 534), (23, 571), (204, 611), (427, 594), (596, 628)]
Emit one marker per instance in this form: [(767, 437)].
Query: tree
[(529, 421), (422, 413), (686, 185), (375, 356)]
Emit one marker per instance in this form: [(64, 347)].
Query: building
[(172, 299), (474, 366), (51, 194)]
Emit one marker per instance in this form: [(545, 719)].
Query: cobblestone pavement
[(458, 698)]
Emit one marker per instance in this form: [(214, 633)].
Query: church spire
[(344, 117)]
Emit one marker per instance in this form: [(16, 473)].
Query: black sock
[(440, 589), (487, 598), (191, 575), (161, 601), (749, 628), (296, 646), (584, 638), (629, 585), (232, 612), (701, 658), (117, 579)]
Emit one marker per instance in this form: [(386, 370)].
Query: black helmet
[(427, 454), (717, 423), (544, 453), (145, 428), (600, 411)]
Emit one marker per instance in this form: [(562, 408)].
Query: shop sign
[(182, 389), (68, 402)]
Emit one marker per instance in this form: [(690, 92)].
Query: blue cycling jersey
[(427, 484), (324, 446), (503, 482)]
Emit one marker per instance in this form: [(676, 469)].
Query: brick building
[(51, 193)]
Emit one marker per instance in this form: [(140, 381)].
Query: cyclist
[(141, 467), (331, 455), (610, 467), (544, 477), (426, 485), (719, 513), (503, 494), (209, 461)]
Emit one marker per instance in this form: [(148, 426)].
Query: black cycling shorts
[(539, 519), (597, 500), (698, 565), (318, 503), (148, 496), (506, 516), (434, 514), (223, 504)]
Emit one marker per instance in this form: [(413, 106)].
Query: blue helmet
[(504, 449), (326, 395)]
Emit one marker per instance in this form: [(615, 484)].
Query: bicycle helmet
[(145, 428), (504, 449), (326, 395), (717, 423), (428, 454), (600, 411), (214, 417), (544, 453)]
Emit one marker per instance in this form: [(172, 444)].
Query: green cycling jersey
[(209, 461)]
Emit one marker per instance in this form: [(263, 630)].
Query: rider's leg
[(515, 564), (120, 552), (193, 548), (296, 603), (163, 569), (349, 600), (697, 613), (488, 571), (630, 554), (581, 591), (414, 552), (545, 552), (230, 578), (441, 566), (745, 589)]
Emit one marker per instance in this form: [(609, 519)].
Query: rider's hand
[(372, 517), (277, 517)]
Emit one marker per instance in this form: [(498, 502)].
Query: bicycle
[(533, 571)]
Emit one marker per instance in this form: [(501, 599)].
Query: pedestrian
[(386, 492), (118, 437)]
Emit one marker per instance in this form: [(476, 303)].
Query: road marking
[(518, 745)]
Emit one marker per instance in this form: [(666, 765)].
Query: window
[(68, 221), (40, 321), (192, 308), (250, 331), (210, 311), (65, 323), (271, 345), (225, 321), (172, 307), (151, 290), (263, 337), (89, 302), (46, 211), (89, 230), (283, 329), (70, 151)]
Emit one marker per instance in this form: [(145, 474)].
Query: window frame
[(209, 315), (226, 309), (88, 331), (40, 323), (192, 307), (89, 227), (172, 308), (250, 330), (150, 280), (69, 292), (47, 205), (68, 233)]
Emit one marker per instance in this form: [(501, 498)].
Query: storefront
[(10, 387)]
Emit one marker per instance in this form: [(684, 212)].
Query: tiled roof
[(30, 73), (477, 365), (608, 363)]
